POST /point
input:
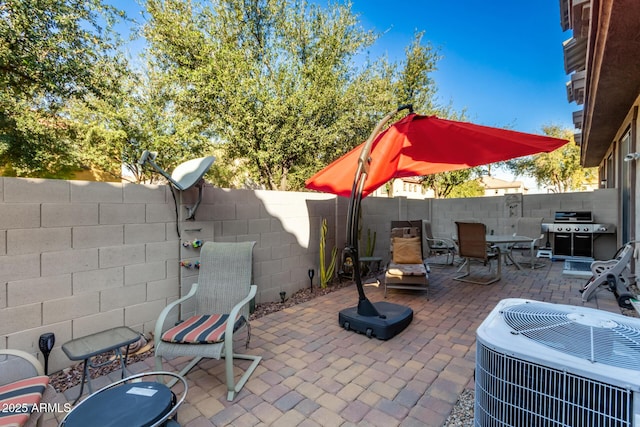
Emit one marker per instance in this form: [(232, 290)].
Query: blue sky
[(503, 63)]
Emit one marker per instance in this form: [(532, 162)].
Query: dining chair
[(532, 228), (438, 245), (472, 245)]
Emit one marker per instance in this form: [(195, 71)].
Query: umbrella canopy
[(422, 145)]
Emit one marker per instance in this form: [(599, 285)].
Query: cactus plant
[(326, 272)]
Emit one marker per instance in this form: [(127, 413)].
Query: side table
[(84, 348)]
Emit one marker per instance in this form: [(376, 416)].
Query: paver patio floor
[(314, 373)]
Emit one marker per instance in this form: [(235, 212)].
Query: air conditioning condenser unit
[(544, 364)]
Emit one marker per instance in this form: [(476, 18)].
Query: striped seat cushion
[(205, 329), (18, 398)]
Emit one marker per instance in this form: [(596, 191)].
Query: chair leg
[(229, 355), (462, 277), (182, 373)]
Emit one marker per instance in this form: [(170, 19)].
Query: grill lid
[(595, 336), (573, 216)]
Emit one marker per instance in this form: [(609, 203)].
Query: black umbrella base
[(392, 320)]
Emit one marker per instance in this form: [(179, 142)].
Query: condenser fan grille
[(590, 335)]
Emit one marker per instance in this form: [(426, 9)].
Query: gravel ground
[(462, 414)]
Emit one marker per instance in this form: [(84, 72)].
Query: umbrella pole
[(365, 307)]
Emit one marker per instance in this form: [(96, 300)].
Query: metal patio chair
[(222, 296)]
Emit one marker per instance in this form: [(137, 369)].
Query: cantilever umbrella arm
[(365, 307)]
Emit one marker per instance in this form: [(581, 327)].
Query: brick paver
[(315, 373)]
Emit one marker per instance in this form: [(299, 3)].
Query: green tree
[(467, 189), (558, 170), (443, 184), (276, 81), (141, 115), (51, 51)]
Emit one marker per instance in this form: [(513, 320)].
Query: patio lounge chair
[(22, 382), (614, 273), (438, 245), (222, 296), (472, 245), (406, 269)]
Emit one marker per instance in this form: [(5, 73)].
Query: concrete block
[(3, 242), (70, 308), (15, 215), (144, 233), (172, 268), (69, 214), (19, 267), (16, 319), (158, 212), (162, 251), (219, 213), (281, 252), (96, 192), (38, 240), (118, 213), (203, 230), (97, 280), (3, 295), (30, 190), (121, 255), (248, 211), (262, 225), (22, 292), (87, 325), (144, 193), (162, 289), (53, 263), (144, 314), (143, 273), (270, 239), (271, 267), (111, 299), (98, 236), (27, 339)]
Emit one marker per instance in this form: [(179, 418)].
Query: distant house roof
[(491, 183)]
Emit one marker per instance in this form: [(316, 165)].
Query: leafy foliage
[(51, 51), (276, 81), (560, 170)]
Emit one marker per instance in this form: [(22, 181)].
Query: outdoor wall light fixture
[(184, 176), (46, 343), (631, 156)]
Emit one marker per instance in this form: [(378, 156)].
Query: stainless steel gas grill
[(574, 232)]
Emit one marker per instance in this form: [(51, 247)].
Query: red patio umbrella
[(416, 145), (423, 145)]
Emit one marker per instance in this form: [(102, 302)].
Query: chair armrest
[(157, 333), (27, 360), (228, 334)]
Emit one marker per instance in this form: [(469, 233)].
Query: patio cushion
[(407, 250), (205, 329), (17, 399), (399, 270)]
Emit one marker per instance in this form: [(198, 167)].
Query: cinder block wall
[(79, 257)]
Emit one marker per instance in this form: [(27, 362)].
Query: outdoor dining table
[(502, 241)]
